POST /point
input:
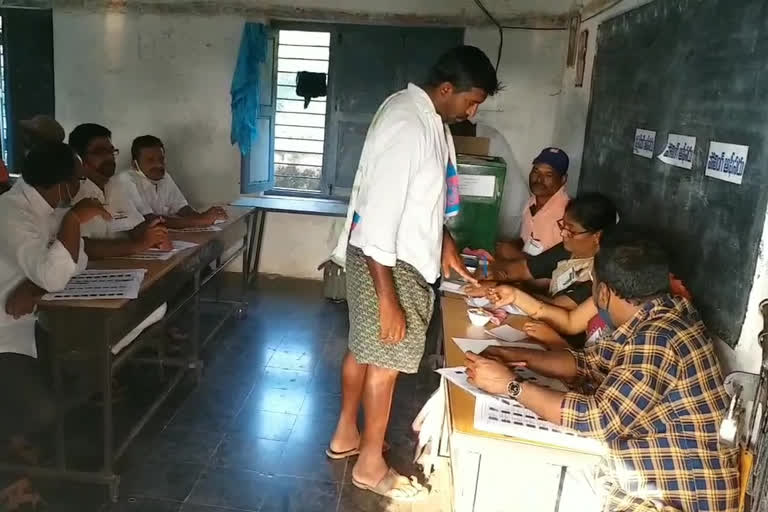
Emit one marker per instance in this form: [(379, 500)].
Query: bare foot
[(346, 437)]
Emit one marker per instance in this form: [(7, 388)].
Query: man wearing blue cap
[(539, 230)]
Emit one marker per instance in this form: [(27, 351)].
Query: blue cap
[(555, 158)]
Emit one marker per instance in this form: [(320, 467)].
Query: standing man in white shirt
[(406, 185), (41, 250), (128, 232), (153, 191)]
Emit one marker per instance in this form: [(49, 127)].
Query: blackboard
[(28, 40), (697, 68)]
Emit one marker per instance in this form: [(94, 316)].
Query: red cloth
[(3, 172)]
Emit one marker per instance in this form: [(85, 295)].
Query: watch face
[(513, 389)]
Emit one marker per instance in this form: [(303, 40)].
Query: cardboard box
[(472, 145)]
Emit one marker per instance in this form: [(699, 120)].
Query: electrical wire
[(601, 11), (510, 27), (501, 31)]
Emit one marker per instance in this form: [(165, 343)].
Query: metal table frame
[(106, 326)]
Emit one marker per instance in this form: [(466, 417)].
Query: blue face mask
[(605, 315)]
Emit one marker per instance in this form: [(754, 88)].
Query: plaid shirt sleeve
[(649, 368)]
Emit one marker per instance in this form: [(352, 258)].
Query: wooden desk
[(491, 470), (79, 335)]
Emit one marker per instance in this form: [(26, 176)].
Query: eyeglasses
[(571, 233), (104, 152)]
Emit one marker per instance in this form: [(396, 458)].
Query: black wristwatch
[(513, 389)]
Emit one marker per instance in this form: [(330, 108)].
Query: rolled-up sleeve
[(625, 394), (46, 263), (397, 153)]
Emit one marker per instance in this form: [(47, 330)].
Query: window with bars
[(299, 131)]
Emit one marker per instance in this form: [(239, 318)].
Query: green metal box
[(481, 181)]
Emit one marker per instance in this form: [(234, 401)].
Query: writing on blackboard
[(727, 161)]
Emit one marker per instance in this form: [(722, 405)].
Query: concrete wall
[(170, 74)]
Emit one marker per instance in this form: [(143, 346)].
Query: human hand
[(155, 235), (478, 290), (487, 374), (502, 295), (506, 355), (541, 331), (23, 299), (452, 261), (391, 321), (215, 213), (89, 208)]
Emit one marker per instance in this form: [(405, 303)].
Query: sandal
[(395, 486), (334, 455), (20, 496)]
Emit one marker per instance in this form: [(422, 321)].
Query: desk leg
[(109, 432), (259, 239), (196, 329)]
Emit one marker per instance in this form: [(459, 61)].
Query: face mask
[(606, 316), (64, 203)]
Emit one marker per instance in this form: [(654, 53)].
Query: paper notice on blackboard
[(477, 186), (645, 143), (727, 161), (679, 151)]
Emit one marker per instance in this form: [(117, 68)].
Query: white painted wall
[(169, 75)]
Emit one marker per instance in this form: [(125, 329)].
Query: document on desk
[(158, 255), (458, 376), (508, 417), (202, 229), (456, 287), (507, 333), (477, 346), (482, 302), (101, 284)]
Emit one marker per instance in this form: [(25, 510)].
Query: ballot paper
[(202, 229), (452, 287), (507, 333), (508, 417), (159, 255), (477, 346), (101, 284)]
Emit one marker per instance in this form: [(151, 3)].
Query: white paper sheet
[(458, 376), (679, 151), (158, 255), (507, 333), (452, 287), (508, 417), (101, 284), (482, 302), (727, 161), (196, 230), (645, 143), (477, 186), (477, 346)]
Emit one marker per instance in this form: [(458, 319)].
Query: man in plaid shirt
[(652, 391)]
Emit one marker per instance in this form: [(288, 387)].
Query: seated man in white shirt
[(42, 249), (153, 191), (128, 232)]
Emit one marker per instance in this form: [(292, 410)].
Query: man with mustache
[(539, 231), (154, 193), (93, 145)]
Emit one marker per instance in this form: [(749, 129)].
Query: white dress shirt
[(124, 213), (400, 185), (30, 250), (161, 197)]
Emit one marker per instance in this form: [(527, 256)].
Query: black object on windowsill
[(311, 85)]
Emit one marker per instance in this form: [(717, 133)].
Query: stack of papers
[(158, 255), (101, 284)]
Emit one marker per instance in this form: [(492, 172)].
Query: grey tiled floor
[(251, 436)]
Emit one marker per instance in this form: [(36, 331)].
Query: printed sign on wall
[(726, 161), (679, 151), (645, 143)]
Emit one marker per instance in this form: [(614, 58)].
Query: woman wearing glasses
[(567, 308)]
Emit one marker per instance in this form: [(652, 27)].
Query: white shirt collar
[(421, 97), (39, 205)]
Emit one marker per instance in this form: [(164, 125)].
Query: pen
[(484, 263)]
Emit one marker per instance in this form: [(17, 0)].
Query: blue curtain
[(245, 86)]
